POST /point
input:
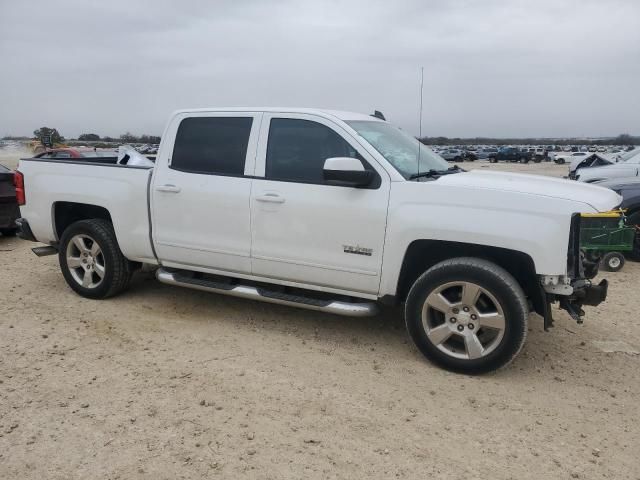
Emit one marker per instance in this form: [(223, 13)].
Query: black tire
[(493, 160), (538, 160), (117, 269), (8, 232), (490, 277), (524, 160), (612, 261), (634, 219)]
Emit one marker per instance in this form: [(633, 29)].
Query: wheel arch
[(67, 213), (423, 254)]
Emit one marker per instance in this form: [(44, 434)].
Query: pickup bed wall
[(121, 190)]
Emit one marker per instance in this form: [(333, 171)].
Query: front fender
[(537, 226)]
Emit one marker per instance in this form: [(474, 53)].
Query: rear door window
[(212, 145)]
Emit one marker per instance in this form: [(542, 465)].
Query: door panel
[(200, 218), (312, 232)]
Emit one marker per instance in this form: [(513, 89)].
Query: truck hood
[(600, 198)]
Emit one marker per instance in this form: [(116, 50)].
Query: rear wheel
[(613, 261), (467, 315), (524, 160), (9, 232), (493, 160), (91, 260)]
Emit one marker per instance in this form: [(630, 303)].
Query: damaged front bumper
[(575, 289), (585, 294)]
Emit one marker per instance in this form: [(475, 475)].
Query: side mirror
[(347, 172)]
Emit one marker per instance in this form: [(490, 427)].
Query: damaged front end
[(575, 289)]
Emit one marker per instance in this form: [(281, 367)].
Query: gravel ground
[(163, 382)]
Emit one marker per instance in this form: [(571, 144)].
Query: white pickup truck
[(326, 210)]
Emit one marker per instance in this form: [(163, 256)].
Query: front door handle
[(270, 198), (168, 188)]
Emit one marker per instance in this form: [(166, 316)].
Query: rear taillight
[(18, 182)]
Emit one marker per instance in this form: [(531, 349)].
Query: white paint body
[(296, 234), (629, 167)]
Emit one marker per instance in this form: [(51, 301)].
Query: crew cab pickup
[(332, 211)]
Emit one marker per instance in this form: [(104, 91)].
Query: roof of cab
[(345, 116)]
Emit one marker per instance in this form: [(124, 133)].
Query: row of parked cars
[(525, 154)]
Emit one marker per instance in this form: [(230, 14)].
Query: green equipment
[(606, 236)]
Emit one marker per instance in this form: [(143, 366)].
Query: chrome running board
[(360, 309)]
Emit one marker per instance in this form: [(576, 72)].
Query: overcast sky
[(492, 68)]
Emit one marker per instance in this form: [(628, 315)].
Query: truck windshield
[(399, 148)]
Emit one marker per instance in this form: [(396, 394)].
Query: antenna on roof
[(420, 121), (378, 114)]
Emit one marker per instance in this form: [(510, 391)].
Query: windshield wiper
[(436, 173)]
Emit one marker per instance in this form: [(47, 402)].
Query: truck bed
[(122, 190)]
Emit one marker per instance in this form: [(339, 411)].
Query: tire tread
[(121, 267), (509, 282)]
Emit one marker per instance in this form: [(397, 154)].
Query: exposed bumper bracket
[(24, 230), (586, 294)]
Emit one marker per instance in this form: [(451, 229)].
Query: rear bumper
[(24, 230)]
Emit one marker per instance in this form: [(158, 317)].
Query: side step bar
[(362, 309)]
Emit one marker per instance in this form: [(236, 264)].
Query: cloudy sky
[(492, 68)]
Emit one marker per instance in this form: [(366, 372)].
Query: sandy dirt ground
[(165, 383)]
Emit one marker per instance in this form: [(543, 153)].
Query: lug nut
[(470, 326), (460, 328), (473, 316), (466, 309), (453, 320), (455, 310)]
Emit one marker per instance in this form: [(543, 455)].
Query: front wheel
[(91, 260), (467, 315)]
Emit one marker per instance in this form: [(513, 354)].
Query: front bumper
[(586, 294), (576, 289)]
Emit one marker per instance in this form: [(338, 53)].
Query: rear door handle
[(270, 198), (168, 188)]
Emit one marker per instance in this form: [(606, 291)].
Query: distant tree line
[(124, 138), (623, 139), (128, 137), (56, 137), (15, 137)]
